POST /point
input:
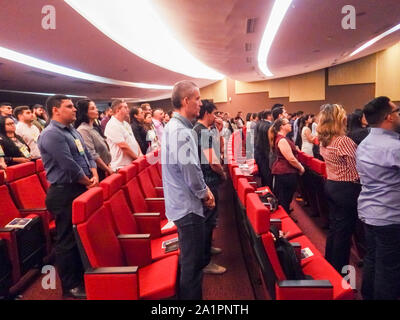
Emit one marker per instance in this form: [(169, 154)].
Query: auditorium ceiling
[(224, 35)]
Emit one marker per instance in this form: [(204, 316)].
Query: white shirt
[(30, 136), (117, 132)]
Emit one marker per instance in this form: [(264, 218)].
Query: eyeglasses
[(396, 110)]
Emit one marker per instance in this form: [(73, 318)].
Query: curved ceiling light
[(374, 40), (39, 93), (47, 66), (136, 26), (277, 14)]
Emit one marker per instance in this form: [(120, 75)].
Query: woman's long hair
[(3, 125), (82, 109), (332, 122), (273, 131)]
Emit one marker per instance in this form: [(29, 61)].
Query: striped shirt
[(340, 159)]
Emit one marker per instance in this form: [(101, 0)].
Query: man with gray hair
[(185, 190)]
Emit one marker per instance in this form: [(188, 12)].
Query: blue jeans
[(381, 270), (191, 234), (211, 216)]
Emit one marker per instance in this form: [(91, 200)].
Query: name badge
[(79, 146), (24, 151), (1, 152)]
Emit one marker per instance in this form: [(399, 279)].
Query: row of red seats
[(256, 218), (30, 247), (120, 229), (327, 283)]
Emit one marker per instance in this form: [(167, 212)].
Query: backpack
[(287, 257), (269, 200)]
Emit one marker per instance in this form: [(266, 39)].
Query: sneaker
[(215, 250), (213, 268)]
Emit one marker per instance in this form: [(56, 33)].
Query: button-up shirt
[(378, 164), (183, 180), (62, 159)]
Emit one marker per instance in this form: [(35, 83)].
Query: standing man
[(136, 116), (184, 187), (107, 117), (378, 165), (158, 116), (27, 130), (262, 149), (70, 170), (213, 173), (123, 145)]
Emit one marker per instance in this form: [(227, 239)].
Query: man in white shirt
[(27, 130), (158, 116), (123, 145)]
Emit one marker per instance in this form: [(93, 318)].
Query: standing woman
[(286, 166), (86, 116), (342, 187), (307, 138), (151, 135), (14, 147)]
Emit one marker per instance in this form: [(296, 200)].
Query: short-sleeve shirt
[(205, 142), (117, 132), (340, 159), (30, 136)]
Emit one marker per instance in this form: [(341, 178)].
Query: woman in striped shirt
[(342, 187)]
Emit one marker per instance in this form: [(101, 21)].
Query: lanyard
[(79, 146)]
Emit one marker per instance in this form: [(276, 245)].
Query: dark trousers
[(211, 216), (381, 270), (284, 189), (68, 262), (191, 233), (264, 171), (342, 201)]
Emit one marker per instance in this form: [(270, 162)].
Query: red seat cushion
[(320, 269), (290, 228), (154, 280)]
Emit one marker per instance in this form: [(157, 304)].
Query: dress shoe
[(213, 268), (215, 250), (77, 293)]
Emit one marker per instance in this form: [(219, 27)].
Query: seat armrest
[(146, 214), (155, 199), (252, 182), (112, 270), (33, 210), (149, 223), (304, 290), (136, 248), (276, 223), (297, 248), (159, 188)]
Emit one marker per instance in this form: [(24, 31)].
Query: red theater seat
[(42, 174), (149, 190), (118, 267), (326, 283), (27, 246), (138, 203), (137, 223)]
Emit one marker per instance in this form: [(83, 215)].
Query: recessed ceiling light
[(374, 40), (51, 67), (136, 26), (277, 14)]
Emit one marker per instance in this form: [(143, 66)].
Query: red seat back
[(244, 188), (318, 166), (147, 185), (117, 205), (154, 176), (26, 186), (257, 214), (42, 174), (95, 230)]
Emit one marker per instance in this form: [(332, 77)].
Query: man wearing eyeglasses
[(378, 165)]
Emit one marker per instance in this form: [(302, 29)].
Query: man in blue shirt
[(70, 170), (378, 164), (184, 188)]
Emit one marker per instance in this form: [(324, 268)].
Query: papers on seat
[(18, 223), (169, 225)]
